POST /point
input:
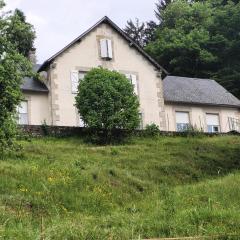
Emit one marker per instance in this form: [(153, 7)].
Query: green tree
[(200, 39), (136, 31), (141, 33), (13, 67), (160, 7), (19, 32), (106, 101)]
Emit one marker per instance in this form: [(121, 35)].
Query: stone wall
[(58, 131)]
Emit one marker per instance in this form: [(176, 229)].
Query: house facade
[(52, 101), (200, 103)]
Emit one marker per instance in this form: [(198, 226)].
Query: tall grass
[(148, 188)]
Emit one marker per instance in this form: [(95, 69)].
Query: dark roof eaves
[(35, 90), (202, 104), (119, 30)]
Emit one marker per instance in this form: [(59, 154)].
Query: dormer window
[(106, 49)]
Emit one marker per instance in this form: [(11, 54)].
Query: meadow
[(63, 188)]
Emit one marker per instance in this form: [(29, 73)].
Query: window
[(22, 111), (81, 122), (106, 49), (133, 79), (182, 121), (75, 78), (213, 125)]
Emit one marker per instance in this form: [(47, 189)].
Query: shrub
[(107, 103), (152, 130)]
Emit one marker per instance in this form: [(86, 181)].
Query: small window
[(133, 79), (182, 121), (106, 49), (213, 124), (81, 122), (22, 111), (76, 77)]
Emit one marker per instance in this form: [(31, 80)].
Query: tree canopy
[(199, 38), (106, 101), (19, 32), (13, 68)]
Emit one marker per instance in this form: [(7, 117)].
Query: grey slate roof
[(119, 30), (32, 84), (197, 91)]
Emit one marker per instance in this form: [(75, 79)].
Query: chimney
[(32, 56)]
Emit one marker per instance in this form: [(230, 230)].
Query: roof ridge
[(119, 30)]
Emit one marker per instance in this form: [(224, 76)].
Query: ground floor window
[(22, 111), (182, 121), (76, 77), (213, 123)]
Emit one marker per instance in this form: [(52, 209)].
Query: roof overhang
[(202, 104)]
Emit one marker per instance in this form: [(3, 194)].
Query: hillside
[(148, 188)]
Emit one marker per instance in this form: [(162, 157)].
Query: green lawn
[(148, 188)]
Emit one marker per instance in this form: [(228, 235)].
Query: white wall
[(38, 108), (84, 56)]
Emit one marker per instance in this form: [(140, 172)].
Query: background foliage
[(198, 39), (14, 66)]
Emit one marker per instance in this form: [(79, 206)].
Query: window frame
[(26, 114), (135, 86), (183, 126), (106, 48), (211, 126), (75, 91)]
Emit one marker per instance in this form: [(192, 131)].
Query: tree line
[(197, 38)]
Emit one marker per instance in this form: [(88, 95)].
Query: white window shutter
[(23, 113), (133, 79), (213, 119), (182, 117), (128, 76), (75, 81), (134, 83), (104, 48), (109, 48)]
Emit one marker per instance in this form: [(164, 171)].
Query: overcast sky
[(58, 22)]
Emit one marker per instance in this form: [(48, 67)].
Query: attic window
[(106, 49)]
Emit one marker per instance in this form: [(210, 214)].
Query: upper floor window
[(213, 123), (76, 77), (22, 111), (182, 121), (106, 49), (133, 79)]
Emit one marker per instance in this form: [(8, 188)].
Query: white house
[(173, 103)]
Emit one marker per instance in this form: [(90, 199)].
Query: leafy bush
[(107, 103), (45, 129), (152, 130)]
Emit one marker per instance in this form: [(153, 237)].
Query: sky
[(58, 22)]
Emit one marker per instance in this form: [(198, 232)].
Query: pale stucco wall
[(85, 55), (197, 115), (38, 108)]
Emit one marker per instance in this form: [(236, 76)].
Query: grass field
[(147, 188)]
